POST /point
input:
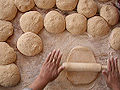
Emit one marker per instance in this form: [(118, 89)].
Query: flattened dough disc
[(81, 54)]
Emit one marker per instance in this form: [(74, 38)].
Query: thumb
[(105, 74), (60, 69)]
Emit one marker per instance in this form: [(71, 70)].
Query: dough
[(6, 30), (24, 5), (103, 0), (67, 5), (29, 44), (87, 7), (110, 14), (81, 54), (115, 38), (45, 4), (7, 54), (76, 23), (7, 9), (9, 75), (97, 26), (54, 22), (31, 21)]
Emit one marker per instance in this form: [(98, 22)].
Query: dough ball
[(24, 5), (9, 75), (7, 54), (87, 7), (114, 39), (81, 54), (45, 4), (29, 44), (6, 30), (97, 26), (7, 9), (31, 21), (67, 5), (54, 22), (110, 14), (76, 23)]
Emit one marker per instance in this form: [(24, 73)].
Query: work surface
[(30, 66)]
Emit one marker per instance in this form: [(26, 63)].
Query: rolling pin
[(84, 67)]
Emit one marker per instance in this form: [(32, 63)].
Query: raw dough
[(87, 7), (31, 21), (54, 22), (110, 14), (97, 26), (7, 9), (76, 23), (6, 30), (67, 5), (115, 38), (29, 44), (24, 5), (9, 75), (81, 54), (45, 4), (7, 54)]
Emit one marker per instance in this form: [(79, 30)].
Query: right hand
[(112, 74)]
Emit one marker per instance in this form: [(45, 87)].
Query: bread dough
[(7, 54), (24, 5), (7, 9), (81, 54), (97, 26), (54, 22), (31, 21), (76, 23), (9, 75), (6, 30), (115, 38), (29, 44), (67, 5), (45, 4), (87, 8), (107, 13)]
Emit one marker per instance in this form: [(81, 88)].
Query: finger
[(116, 65), (113, 64), (56, 55), (109, 66), (48, 57), (59, 59), (52, 56), (105, 74), (60, 69)]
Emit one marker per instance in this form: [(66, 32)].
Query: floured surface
[(30, 66)]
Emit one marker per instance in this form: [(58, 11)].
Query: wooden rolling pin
[(84, 67)]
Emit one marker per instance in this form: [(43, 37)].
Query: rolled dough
[(81, 54)]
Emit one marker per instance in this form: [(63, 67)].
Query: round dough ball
[(45, 4), (110, 14), (9, 75), (7, 9), (6, 30), (29, 44), (76, 23), (67, 5), (31, 21), (87, 7), (114, 39), (7, 54), (54, 22), (97, 26), (24, 5)]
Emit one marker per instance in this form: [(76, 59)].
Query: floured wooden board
[(30, 66)]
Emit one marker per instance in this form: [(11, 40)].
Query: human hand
[(112, 75)]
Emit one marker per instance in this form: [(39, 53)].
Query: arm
[(112, 75), (49, 71)]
